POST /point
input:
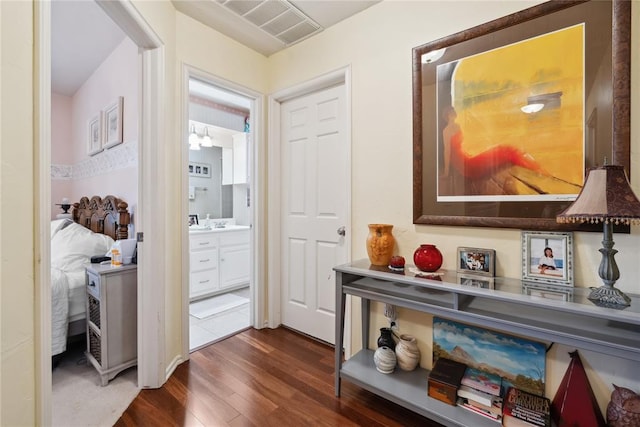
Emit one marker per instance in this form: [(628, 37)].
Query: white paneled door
[(315, 204)]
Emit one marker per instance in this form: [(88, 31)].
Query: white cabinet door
[(240, 158), (203, 282), (234, 265), (227, 166)]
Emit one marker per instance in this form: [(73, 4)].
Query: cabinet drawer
[(206, 241), (203, 282), (93, 284), (203, 260), (240, 237)]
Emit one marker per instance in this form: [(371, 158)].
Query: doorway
[(220, 146), (150, 291)]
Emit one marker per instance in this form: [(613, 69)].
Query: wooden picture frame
[(476, 261), (607, 29), (547, 257), (94, 134), (113, 134)]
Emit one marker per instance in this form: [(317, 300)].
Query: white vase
[(384, 359), (407, 353)]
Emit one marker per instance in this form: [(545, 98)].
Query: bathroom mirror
[(218, 141)]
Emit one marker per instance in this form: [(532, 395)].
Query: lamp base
[(608, 296)]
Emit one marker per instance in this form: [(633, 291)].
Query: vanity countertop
[(201, 229)]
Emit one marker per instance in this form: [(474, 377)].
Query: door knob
[(341, 231)]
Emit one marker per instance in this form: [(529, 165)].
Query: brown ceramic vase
[(380, 243)]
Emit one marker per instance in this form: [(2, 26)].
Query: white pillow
[(73, 246), (59, 224)]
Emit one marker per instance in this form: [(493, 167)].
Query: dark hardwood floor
[(268, 377)]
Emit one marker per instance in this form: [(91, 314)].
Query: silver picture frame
[(547, 257), (477, 261)]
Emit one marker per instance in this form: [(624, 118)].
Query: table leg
[(340, 306)]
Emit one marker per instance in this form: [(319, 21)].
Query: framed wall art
[(508, 115), (113, 123), (202, 170), (94, 134), (547, 257), (476, 261), (193, 219)]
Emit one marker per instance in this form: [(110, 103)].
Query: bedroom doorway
[(150, 63), (82, 86), (220, 151)]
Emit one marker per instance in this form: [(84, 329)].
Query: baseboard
[(172, 366)]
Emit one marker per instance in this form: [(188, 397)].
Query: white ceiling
[(83, 35)]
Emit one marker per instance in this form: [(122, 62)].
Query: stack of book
[(444, 380), (523, 409), (480, 392)]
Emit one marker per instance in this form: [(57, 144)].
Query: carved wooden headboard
[(105, 216)]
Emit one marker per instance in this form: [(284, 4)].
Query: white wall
[(377, 43), (17, 233)]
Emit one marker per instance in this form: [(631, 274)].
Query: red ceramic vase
[(427, 258)]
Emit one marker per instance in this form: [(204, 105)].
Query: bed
[(95, 224)]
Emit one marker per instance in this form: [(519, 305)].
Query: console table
[(508, 305)]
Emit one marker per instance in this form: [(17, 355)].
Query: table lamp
[(606, 197), (65, 205)]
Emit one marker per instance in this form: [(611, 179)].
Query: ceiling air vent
[(278, 18)]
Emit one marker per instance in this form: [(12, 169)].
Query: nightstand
[(112, 339)]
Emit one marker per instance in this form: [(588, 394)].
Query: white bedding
[(72, 247)]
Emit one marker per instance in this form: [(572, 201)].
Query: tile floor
[(203, 332)]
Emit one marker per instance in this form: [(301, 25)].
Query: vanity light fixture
[(193, 136), (206, 139)]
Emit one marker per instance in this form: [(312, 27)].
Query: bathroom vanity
[(219, 260)]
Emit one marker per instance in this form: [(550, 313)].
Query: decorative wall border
[(116, 158)]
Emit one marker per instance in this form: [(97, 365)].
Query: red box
[(444, 380)]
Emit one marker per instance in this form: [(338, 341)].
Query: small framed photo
[(113, 123), (193, 219), (94, 135), (475, 281), (201, 170), (547, 257), (476, 261), (547, 291)]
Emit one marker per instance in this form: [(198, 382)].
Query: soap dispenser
[(207, 222)]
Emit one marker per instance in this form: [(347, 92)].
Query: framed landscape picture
[(519, 362)]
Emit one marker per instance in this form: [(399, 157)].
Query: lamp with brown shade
[(606, 197)]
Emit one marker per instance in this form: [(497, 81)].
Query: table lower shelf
[(407, 389)]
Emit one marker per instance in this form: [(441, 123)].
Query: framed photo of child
[(547, 257)]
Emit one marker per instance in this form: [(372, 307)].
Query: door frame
[(341, 76), (257, 233), (151, 284)]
